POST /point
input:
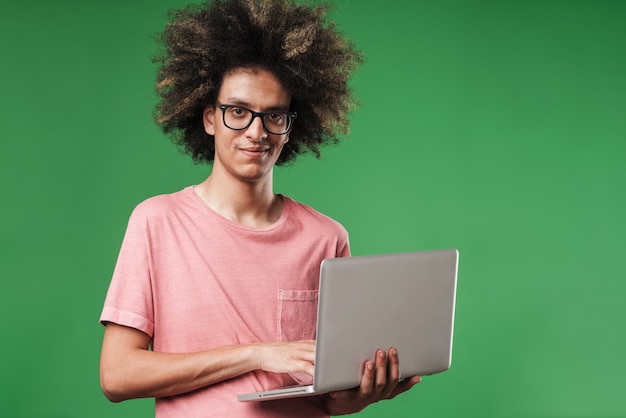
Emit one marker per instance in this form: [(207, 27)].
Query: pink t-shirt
[(193, 281)]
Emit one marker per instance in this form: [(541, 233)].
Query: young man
[(215, 289)]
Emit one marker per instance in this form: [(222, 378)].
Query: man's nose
[(256, 131)]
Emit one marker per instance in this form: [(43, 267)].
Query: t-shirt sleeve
[(343, 249), (129, 300)]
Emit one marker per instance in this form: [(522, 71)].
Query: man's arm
[(380, 381), (128, 369)]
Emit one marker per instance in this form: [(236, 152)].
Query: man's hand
[(380, 381), (292, 357)]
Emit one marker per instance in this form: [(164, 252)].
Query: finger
[(308, 368), (381, 371), (304, 350), (405, 385), (393, 371), (306, 345), (367, 381), (308, 356)]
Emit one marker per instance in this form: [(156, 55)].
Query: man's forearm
[(132, 371)]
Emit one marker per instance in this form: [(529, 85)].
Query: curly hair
[(203, 43)]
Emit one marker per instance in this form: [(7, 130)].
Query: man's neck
[(252, 204)]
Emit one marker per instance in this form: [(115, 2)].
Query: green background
[(496, 127)]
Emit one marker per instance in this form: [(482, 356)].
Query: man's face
[(248, 154)]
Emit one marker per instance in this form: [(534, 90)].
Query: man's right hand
[(292, 357)]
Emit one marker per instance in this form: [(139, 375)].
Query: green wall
[(497, 127)]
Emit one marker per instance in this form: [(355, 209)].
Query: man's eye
[(237, 111), (275, 117)]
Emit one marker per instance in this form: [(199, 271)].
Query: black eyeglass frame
[(290, 118)]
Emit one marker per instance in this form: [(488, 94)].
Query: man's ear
[(208, 119)]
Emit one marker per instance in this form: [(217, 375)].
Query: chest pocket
[(297, 319), (297, 314)]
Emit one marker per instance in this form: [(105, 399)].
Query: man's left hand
[(380, 381)]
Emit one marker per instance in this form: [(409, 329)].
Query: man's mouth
[(254, 152)]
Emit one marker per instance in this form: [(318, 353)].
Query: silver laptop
[(366, 303)]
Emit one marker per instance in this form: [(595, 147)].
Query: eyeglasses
[(239, 118)]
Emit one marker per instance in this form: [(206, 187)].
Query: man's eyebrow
[(243, 103), (236, 101)]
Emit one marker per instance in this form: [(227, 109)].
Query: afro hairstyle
[(295, 42)]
